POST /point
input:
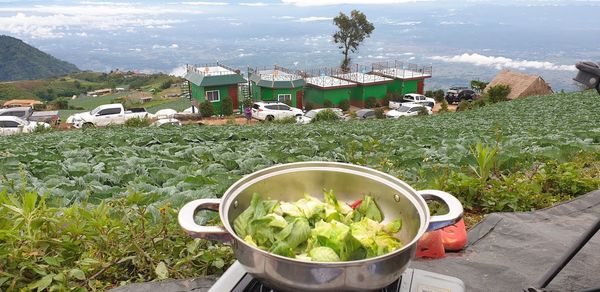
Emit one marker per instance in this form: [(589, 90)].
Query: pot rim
[(235, 189)]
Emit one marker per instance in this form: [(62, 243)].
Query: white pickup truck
[(413, 98), (108, 114)]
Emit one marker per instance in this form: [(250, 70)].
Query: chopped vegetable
[(312, 230), (323, 254)]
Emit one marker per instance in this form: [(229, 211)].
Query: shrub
[(206, 109), (394, 96), (287, 120), (59, 104), (423, 111), (379, 113), (309, 106), (39, 107), (325, 115), (344, 105), (352, 115), (463, 105), (48, 247), (327, 103), (42, 129), (166, 84), (429, 93), (288, 102), (248, 102), (371, 102), (138, 122), (438, 95), (384, 102), (498, 93), (227, 106), (478, 103), (444, 107)]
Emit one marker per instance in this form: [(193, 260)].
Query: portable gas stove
[(235, 279)]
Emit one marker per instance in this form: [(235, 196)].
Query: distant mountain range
[(20, 61)]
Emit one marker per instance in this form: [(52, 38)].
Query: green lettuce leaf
[(394, 226), (368, 208), (240, 224), (323, 254), (310, 206), (342, 207)]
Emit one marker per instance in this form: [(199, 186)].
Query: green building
[(367, 85), (322, 88), (214, 83), (278, 84), (408, 78)]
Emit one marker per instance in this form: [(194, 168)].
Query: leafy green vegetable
[(323, 254), (369, 209), (310, 229), (393, 226)]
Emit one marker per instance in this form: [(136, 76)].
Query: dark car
[(458, 94), (365, 114)]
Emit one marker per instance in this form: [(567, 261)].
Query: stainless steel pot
[(289, 182)]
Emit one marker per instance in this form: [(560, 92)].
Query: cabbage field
[(511, 156)]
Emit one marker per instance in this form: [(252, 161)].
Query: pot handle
[(455, 209), (186, 220)]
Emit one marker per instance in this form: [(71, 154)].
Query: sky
[(462, 40)]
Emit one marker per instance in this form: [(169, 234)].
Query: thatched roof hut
[(521, 84)]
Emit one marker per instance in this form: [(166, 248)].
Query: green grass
[(177, 104), (89, 102)]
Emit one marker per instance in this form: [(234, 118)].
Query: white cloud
[(502, 62), (386, 20), (173, 46), (284, 17), (55, 21), (203, 3), (254, 4), (313, 18), (158, 47), (339, 2)]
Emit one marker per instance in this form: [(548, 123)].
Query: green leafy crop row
[(518, 155)]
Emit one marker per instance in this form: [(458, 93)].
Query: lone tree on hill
[(352, 32)]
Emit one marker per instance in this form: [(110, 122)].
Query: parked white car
[(10, 125), (413, 98), (307, 117), (268, 111), (407, 109), (108, 114)]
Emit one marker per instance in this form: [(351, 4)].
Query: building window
[(284, 97), (213, 96)]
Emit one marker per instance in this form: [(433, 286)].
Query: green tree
[(206, 109), (498, 93), (227, 106), (478, 85), (344, 105), (352, 32)]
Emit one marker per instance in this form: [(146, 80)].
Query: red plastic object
[(430, 245), (454, 237)]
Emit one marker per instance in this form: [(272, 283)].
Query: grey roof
[(214, 80), (275, 82)]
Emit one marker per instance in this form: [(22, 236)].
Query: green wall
[(409, 86), (318, 96), (403, 86), (198, 92), (270, 94)]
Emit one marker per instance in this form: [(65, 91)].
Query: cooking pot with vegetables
[(395, 200)]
